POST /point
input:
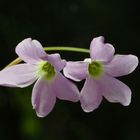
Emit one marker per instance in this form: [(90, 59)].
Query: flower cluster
[(99, 71)]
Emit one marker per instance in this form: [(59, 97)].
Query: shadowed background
[(69, 23)]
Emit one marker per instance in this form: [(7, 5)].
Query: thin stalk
[(61, 48), (58, 48)]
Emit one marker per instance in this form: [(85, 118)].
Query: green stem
[(14, 62), (58, 48), (61, 48)]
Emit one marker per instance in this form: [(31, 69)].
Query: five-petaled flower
[(99, 72), (46, 70)]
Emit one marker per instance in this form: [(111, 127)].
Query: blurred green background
[(69, 23)]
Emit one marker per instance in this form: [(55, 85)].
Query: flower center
[(96, 69), (46, 70)]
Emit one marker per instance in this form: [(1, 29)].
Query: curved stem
[(61, 48), (14, 62), (58, 48)]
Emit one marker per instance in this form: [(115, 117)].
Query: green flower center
[(96, 69), (46, 70)]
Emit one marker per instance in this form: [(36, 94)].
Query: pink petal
[(43, 97), (56, 61), (65, 89), (76, 71), (90, 96), (30, 51), (101, 51), (122, 65), (115, 91), (21, 75)]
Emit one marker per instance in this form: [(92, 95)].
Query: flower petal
[(65, 89), (76, 71), (43, 97), (30, 50), (90, 96), (101, 51), (21, 75), (56, 61), (122, 65), (115, 91)]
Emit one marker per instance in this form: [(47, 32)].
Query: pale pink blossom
[(100, 71), (45, 70)]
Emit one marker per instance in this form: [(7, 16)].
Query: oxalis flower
[(99, 72), (46, 70)]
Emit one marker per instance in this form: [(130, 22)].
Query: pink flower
[(99, 72), (46, 70)]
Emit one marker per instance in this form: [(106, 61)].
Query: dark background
[(69, 23)]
